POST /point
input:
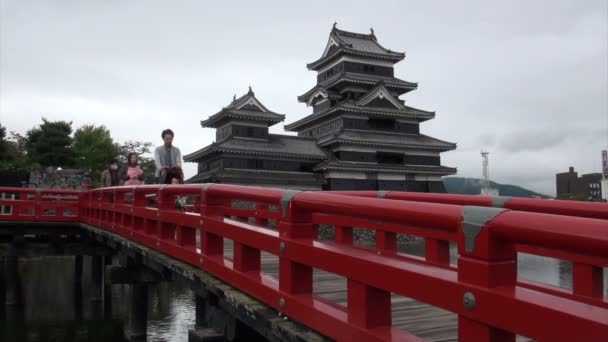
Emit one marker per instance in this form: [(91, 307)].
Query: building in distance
[(586, 187)]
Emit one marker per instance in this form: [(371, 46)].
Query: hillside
[(472, 186)]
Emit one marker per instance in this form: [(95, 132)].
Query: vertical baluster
[(437, 251), (294, 278), (344, 234), (212, 208), (261, 208), (587, 280), (368, 307), (386, 241)]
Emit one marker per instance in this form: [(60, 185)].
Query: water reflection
[(54, 311)]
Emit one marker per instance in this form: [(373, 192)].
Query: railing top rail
[(427, 215), (565, 233), (45, 191), (559, 207)]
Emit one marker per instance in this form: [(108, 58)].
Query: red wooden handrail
[(24, 204), (558, 207), (483, 289)]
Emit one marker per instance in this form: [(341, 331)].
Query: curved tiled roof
[(351, 107), (375, 167), (239, 109), (351, 77), (357, 44), (387, 139), (276, 145)]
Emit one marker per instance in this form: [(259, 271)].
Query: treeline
[(56, 144)]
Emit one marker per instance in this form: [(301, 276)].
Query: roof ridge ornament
[(234, 98), (334, 26), (371, 30), (250, 92)]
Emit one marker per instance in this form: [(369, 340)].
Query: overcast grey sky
[(526, 80)]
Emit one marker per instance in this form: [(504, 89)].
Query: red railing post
[(386, 241), (295, 223), (344, 234), (484, 262), (37, 206), (245, 258), (139, 198), (368, 307), (82, 206), (587, 280), (261, 208), (437, 251), (212, 208)]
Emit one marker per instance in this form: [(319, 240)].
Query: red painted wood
[(587, 280), (368, 307), (503, 306), (437, 251)]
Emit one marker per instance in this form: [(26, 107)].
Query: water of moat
[(52, 312)]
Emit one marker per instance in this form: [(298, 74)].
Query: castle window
[(389, 158), (381, 123)]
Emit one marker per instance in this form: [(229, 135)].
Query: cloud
[(527, 81), (531, 141)]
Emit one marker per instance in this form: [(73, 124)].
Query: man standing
[(167, 158)]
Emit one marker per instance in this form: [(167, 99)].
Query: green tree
[(574, 197), (12, 153), (93, 148), (19, 142), (50, 144), (3, 143), (146, 160)]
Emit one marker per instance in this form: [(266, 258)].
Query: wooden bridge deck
[(421, 319)]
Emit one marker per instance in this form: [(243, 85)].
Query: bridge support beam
[(107, 291), (213, 323), (138, 277), (78, 269), (199, 311), (138, 312), (12, 282), (205, 335), (96, 279), (78, 287)]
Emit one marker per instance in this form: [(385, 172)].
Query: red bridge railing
[(190, 223), (23, 204)]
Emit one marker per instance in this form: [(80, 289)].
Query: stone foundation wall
[(51, 178)]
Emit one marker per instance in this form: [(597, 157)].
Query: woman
[(132, 174)]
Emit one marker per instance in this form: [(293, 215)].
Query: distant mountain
[(472, 186)]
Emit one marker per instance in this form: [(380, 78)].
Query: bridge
[(261, 267)]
